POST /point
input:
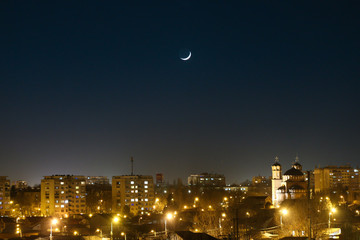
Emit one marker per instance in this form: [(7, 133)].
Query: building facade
[(207, 180), (5, 205), (132, 192), (63, 195), (333, 179), (290, 185)]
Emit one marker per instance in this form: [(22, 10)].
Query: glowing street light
[(18, 229), (53, 222), (99, 231), (114, 220), (223, 215), (333, 210), (169, 216), (123, 234), (283, 212), (195, 201)]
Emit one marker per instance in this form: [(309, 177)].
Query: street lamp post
[(53, 222), (247, 226), (169, 216), (123, 234), (223, 215), (333, 210), (282, 212), (115, 220), (100, 231)]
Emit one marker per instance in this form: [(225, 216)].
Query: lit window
[(132, 182), (77, 187), (132, 200), (66, 201), (146, 199), (62, 192), (62, 206), (146, 182), (146, 191), (145, 186), (62, 183), (83, 183)]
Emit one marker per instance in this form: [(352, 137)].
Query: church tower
[(276, 180)]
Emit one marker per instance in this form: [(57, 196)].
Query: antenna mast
[(132, 166)]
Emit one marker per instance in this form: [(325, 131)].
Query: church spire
[(276, 161), (296, 164)]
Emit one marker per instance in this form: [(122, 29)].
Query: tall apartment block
[(5, 196), (133, 191), (334, 177), (63, 195)]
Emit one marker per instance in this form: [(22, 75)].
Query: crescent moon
[(187, 58)]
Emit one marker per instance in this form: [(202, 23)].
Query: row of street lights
[(54, 221)]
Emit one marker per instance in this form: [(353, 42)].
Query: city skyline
[(86, 86)]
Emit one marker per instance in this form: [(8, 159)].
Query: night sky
[(84, 85)]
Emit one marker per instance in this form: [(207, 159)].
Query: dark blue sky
[(87, 84)]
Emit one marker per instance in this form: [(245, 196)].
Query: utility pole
[(236, 224)]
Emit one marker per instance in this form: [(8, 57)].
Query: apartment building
[(135, 192), (63, 195), (331, 178), (5, 205)]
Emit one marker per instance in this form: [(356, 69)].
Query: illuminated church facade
[(290, 185)]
